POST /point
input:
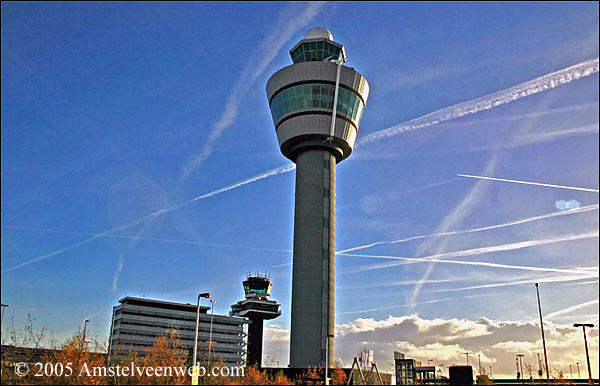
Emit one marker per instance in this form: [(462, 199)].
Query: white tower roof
[(318, 32)]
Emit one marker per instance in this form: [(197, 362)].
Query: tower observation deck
[(257, 307), (317, 105)]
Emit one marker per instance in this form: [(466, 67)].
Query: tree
[(338, 376), (74, 363)]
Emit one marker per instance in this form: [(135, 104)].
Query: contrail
[(473, 106), (512, 223), (571, 309), (132, 243), (272, 172), (518, 282), (410, 305), (511, 246), (158, 239), (486, 102), (396, 284), (456, 216), (529, 183), (582, 283), (264, 52), (471, 263)]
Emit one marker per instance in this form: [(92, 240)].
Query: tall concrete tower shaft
[(302, 97)]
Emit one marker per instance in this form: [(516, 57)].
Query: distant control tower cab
[(257, 307), (316, 104)]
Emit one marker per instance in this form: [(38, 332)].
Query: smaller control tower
[(257, 307)]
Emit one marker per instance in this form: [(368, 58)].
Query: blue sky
[(112, 111)]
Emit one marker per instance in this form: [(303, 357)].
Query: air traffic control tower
[(316, 134), (257, 307)]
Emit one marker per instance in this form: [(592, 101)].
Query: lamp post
[(4, 307), (578, 371), (587, 354), (210, 342), (542, 328), (195, 365), (327, 358), (84, 332), (520, 363)]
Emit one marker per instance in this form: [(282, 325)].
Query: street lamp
[(195, 365), (210, 342), (542, 328), (4, 306), (84, 332), (587, 354), (327, 358), (578, 371), (520, 360)]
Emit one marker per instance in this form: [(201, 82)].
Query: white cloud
[(446, 340)]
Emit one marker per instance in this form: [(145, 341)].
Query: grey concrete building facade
[(137, 322), (301, 97)]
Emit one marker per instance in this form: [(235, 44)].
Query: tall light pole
[(520, 360), (4, 306), (195, 365), (587, 354), (210, 342), (84, 332), (542, 328), (330, 336), (578, 371)]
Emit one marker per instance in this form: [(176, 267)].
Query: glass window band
[(315, 95)]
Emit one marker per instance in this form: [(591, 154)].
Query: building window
[(312, 96), (315, 51)]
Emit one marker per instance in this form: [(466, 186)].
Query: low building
[(411, 371), (461, 375), (137, 322), (425, 374), (405, 369)]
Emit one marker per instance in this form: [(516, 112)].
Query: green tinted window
[(316, 96), (312, 51)]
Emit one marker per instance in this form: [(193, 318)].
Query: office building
[(137, 322)]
